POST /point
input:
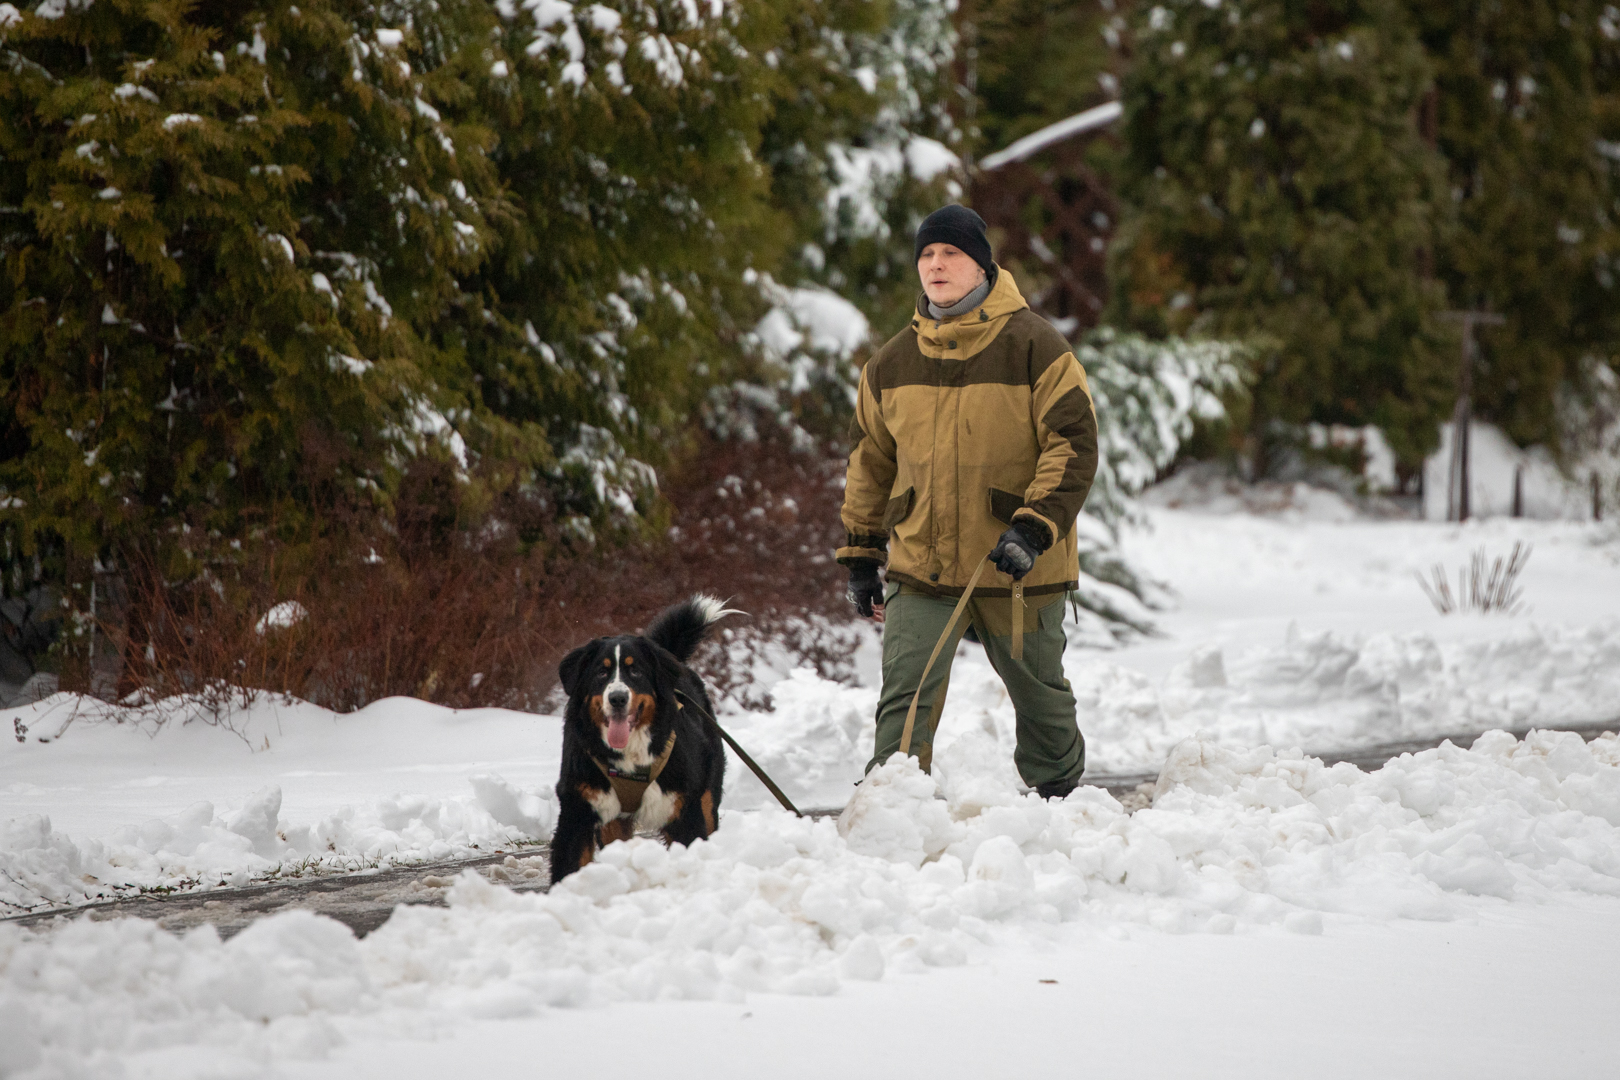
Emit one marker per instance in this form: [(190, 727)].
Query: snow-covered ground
[(1277, 915)]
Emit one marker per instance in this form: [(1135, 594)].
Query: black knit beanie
[(961, 228)]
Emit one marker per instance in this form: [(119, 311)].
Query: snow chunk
[(897, 814), (258, 50), (657, 50), (927, 158), (256, 821), (390, 39), (814, 318), (129, 90), (55, 9), (175, 120), (287, 614), (531, 814)]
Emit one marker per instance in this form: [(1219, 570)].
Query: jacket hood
[(964, 335)]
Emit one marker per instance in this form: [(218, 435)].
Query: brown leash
[(740, 752), (950, 627)]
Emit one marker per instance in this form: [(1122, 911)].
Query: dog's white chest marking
[(657, 807), (606, 804)]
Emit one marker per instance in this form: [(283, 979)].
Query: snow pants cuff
[(1050, 746)]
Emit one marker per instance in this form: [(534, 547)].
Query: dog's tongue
[(618, 733)]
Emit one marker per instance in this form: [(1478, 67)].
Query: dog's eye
[(629, 660)]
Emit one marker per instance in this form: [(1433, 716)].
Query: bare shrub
[(471, 609), (1480, 588)]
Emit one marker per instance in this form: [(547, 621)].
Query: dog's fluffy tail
[(682, 627)]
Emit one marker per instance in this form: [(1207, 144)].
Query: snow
[(126, 91), (1090, 120), (55, 9), (1378, 468), (1078, 1001), (1238, 842), (928, 158), (813, 318), (1264, 903), (1493, 459), (288, 612)]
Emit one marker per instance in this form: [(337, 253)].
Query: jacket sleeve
[(869, 480), (1066, 426)]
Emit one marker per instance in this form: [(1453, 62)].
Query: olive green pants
[(1050, 746)]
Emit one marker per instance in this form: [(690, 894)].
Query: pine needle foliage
[(1282, 193), (202, 234), (260, 259), (1526, 111)]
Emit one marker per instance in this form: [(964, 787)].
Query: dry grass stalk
[(1480, 588)]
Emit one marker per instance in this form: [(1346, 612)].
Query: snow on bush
[(806, 346), (286, 614), (1148, 396), (1237, 841)]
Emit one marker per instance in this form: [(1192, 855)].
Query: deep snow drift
[(905, 880), (1300, 629), (1304, 629)]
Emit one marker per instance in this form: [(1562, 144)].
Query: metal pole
[(1465, 419)]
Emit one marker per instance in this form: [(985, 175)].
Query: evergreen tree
[(1282, 193), (258, 260), (1526, 111), (858, 165), (1035, 62), (202, 235)]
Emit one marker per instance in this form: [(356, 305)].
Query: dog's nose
[(618, 700)]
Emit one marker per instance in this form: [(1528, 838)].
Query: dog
[(637, 753)]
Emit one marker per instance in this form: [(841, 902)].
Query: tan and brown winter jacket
[(962, 426)]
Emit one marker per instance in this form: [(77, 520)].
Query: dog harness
[(631, 786)]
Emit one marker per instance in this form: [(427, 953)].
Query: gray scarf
[(962, 306)]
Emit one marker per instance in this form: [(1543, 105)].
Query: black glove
[(1015, 552), (864, 587)]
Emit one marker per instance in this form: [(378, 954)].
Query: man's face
[(948, 274)]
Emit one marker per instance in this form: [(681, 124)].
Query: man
[(974, 434)]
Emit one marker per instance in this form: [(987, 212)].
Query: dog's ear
[(669, 668), (574, 664)]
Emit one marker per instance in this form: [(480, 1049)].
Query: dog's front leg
[(577, 837), (695, 820)]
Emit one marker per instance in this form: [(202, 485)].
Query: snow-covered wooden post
[(1462, 417)]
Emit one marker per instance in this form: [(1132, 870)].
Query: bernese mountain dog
[(640, 749)]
